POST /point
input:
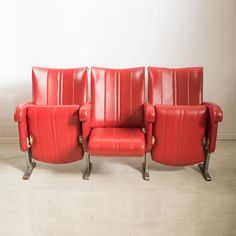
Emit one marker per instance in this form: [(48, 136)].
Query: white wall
[(121, 33)]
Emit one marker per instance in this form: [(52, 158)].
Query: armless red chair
[(185, 127), (49, 127), (112, 123)]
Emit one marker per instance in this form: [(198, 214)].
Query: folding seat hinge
[(29, 141), (144, 131), (80, 139), (153, 140), (205, 141)]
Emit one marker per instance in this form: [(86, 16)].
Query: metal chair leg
[(88, 167), (145, 168), (204, 166), (30, 165)]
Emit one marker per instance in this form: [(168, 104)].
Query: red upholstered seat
[(112, 123), (179, 131), (117, 142), (116, 113), (185, 128), (49, 126), (55, 131), (117, 101)]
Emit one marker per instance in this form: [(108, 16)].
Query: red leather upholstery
[(53, 89), (215, 116), (85, 118), (117, 142), (20, 116), (179, 132), (112, 123), (117, 97), (215, 112), (149, 113), (21, 111), (55, 131), (149, 118), (181, 86), (59, 86)]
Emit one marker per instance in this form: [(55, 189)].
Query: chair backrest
[(117, 97), (59, 86), (182, 86)]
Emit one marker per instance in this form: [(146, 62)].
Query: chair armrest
[(85, 112), (149, 113), (149, 118), (85, 118), (21, 111), (20, 116), (215, 116)]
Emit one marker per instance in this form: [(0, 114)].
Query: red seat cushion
[(179, 133), (117, 142), (55, 131)]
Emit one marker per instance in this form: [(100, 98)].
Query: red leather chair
[(185, 127), (49, 127), (112, 123)]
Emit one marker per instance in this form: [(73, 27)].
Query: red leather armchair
[(49, 127), (185, 127), (113, 122)]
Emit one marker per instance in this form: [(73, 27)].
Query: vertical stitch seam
[(131, 95), (58, 88), (61, 87), (161, 87), (182, 134), (118, 98), (175, 102), (73, 88), (188, 88), (54, 135), (47, 89), (164, 151), (40, 145), (68, 135), (104, 108)]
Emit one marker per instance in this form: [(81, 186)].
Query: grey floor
[(116, 200)]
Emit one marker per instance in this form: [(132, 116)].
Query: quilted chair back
[(117, 97), (183, 86), (59, 86)]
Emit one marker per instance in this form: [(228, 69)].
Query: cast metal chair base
[(204, 172), (30, 165), (88, 168), (145, 169), (204, 166), (29, 171)]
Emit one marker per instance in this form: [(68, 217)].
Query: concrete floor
[(116, 200)]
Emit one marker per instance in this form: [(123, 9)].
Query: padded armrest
[(149, 113), (20, 116), (149, 118), (215, 115), (85, 117), (215, 111), (21, 111), (85, 112)]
